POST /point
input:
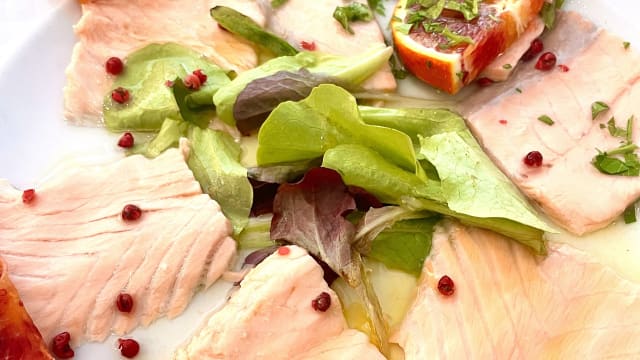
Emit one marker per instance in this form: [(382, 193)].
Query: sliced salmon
[(500, 68), (19, 337), (71, 253), (567, 187), (118, 27), (309, 25), (271, 317), (509, 304)]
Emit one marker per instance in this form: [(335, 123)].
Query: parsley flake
[(598, 107), (546, 119), (350, 13), (626, 45), (519, 91), (507, 66)]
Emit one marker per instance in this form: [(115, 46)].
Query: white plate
[(33, 137)]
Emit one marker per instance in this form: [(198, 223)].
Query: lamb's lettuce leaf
[(214, 158), (305, 130), (145, 76), (348, 71)]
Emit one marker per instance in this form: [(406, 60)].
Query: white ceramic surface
[(35, 50)]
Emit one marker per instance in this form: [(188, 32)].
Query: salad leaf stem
[(246, 28)]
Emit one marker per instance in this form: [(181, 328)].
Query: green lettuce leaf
[(404, 245), (146, 72), (349, 71), (168, 137), (472, 184), (214, 158), (327, 118), (362, 166)]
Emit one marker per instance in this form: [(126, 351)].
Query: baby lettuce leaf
[(262, 95), (310, 214), (189, 111), (363, 167), (168, 137), (414, 121), (472, 184), (527, 235), (214, 158), (349, 71), (327, 118), (404, 245), (242, 25), (146, 72)]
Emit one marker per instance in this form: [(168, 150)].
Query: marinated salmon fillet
[(509, 304), (271, 317), (506, 122), (309, 25), (19, 337), (500, 68), (71, 253), (118, 27)]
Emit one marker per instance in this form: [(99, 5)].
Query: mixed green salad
[(342, 179)]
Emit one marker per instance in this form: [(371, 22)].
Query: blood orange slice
[(450, 51)]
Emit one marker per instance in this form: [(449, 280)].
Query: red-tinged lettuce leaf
[(310, 214), (256, 101), (263, 195)]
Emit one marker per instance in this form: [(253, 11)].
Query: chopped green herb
[(598, 107), (546, 119), (518, 90), (603, 126), (276, 3), (626, 45), (403, 28), (507, 66), (460, 75), (607, 162), (452, 38), (432, 9), (468, 8), (352, 12), (630, 214), (614, 130)]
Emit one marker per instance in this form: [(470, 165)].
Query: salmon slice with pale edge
[(567, 187), (71, 253), (299, 21), (118, 27), (509, 304), (270, 317), (500, 68)]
